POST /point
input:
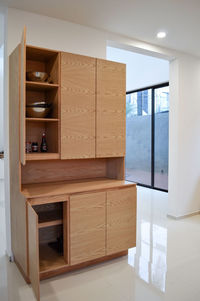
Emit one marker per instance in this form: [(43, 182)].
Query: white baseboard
[(184, 216)]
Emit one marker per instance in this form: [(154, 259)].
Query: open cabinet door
[(23, 98), (33, 247)]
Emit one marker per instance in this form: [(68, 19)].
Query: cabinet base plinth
[(62, 270)]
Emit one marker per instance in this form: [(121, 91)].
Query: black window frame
[(152, 88)]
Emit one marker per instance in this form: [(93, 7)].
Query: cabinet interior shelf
[(50, 259), (40, 86), (42, 156), (50, 223), (42, 119), (50, 218)]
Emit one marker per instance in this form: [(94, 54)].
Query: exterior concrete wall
[(138, 142)]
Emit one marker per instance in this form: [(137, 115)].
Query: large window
[(147, 118)]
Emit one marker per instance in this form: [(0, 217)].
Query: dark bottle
[(43, 147)]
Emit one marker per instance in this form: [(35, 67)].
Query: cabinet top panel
[(71, 187), (39, 54)]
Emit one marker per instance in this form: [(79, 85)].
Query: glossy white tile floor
[(165, 265)]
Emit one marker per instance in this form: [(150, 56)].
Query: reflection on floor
[(164, 266)]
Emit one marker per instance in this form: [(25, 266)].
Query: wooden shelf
[(42, 119), (70, 187), (42, 156), (50, 259), (50, 218), (40, 86), (50, 223)]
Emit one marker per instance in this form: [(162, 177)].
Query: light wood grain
[(40, 86), (61, 170), (42, 119), (71, 187), (66, 232), (111, 109), (23, 97), (17, 200), (50, 223), (121, 220), (77, 106), (87, 227), (68, 268), (48, 200), (33, 250), (42, 156)]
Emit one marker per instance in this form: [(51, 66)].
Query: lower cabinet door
[(121, 220), (87, 226), (33, 247)]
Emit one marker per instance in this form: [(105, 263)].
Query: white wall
[(1, 96), (141, 70), (54, 34), (57, 34), (184, 177)]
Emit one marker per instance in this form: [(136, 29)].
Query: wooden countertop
[(71, 187)]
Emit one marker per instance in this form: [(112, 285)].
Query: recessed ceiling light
[(161, 34)]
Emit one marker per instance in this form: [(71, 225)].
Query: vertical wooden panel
[(87, 226), (66, 218), (23, 98), (111, 109), (77, 106), (33, 244), (121, 220), (17, 200)]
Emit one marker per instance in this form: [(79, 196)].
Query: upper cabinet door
[(77, 106), (23, 97), (111, 109)]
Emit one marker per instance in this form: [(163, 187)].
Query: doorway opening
[(147, 117)]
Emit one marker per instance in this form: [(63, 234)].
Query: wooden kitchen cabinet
[(121, 220), (110, 109), (87, 226), (77, 106), (70, 207)]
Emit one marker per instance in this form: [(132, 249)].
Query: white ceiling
[(139, 19)]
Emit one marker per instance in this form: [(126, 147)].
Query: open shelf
[(43, 60), (50, 259), (42, 156), (53, 235), (40, 86), (42, 119), (50, 218)]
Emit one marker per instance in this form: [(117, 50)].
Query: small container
[(34, 147), (28, 147)]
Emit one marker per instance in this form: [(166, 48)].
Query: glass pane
[(161, 137), (138, 137)]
